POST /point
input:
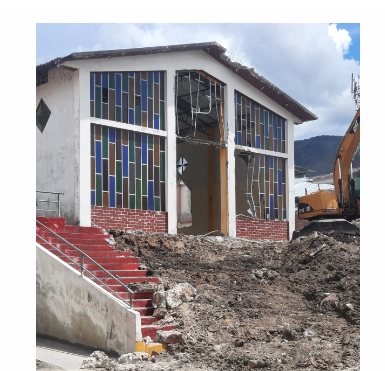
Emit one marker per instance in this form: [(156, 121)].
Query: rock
[(169, 337), (257, 363), (160, 312), (159, 299), (182, 292)]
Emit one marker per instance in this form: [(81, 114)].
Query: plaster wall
[(73, 308), (56, 149)]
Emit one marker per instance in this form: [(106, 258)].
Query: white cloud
[(341, 38), (305, 60)]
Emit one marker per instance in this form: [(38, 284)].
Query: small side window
[(42, 115)]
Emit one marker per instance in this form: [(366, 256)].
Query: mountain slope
[(318, 153)]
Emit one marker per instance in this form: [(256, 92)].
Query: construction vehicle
[(328, 210)]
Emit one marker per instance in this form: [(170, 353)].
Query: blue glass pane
[(112, 191), (92, 198), (111, 135), (125, 160), (144, 149), (151, 195), (258, 141), (275, 127), (98, 157), (271, 211), (131, 116), (156, 77), (238, 97), (271, 162), (105, 80), (239, 137), (156, 121)]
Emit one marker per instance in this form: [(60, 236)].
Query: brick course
[(256, 229), (128, 219)]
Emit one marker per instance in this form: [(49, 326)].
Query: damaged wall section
[(260, 177)]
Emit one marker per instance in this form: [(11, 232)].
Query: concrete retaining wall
[(73, 308)]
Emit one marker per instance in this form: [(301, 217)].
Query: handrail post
[(82, 265), (58, 203)]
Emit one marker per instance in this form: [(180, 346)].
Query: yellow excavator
[(333, 210)]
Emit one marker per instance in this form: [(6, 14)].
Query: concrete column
[(84, 180), (290, 174), (171, 200), (229, 120)]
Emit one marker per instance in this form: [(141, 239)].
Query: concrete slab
[(61, 354)]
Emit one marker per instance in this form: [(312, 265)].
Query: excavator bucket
[(326, 226)]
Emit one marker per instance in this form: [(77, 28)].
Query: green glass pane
[(105, 141), (138, 195), (119, 176), (118, 114), (131, 146), (125, 82), (98, 190), (98, 102), (111, 80), (161, 116), (157, 204), (266, 143), (144, 180), (150, 142), (138, 115), (162, 166), (132, 201)]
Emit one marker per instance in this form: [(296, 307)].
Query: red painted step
[(150, 330)]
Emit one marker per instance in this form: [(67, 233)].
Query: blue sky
[(312, 62)]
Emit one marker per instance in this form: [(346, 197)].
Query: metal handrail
[(82, 268), (50, 202)]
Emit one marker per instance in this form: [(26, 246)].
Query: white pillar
[(84, 180), (171, 201), (230, 135), (290, 182)]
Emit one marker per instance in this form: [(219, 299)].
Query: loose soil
[(259, 304)]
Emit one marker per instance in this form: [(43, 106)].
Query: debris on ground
[(267, 305)]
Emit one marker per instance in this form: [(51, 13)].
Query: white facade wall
[(170, 63), (56, 151)]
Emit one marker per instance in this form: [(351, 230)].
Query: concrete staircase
[(121, 264)]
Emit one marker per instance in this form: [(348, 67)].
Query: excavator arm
[(343, 183)]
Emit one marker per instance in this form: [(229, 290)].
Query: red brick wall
[(128, 219), (256, 229)]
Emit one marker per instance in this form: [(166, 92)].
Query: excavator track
[(326, 226)]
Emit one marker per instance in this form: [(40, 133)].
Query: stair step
[(148, 320), (78, 229), (52, 223), (150, 330), (132, 280), (141, 303), (112, 266), (116, 259), (145, 311), (127, 279), (101, 238)]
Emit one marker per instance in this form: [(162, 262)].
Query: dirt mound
[(259, 304)]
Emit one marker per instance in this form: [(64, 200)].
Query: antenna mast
[(355, 90)]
